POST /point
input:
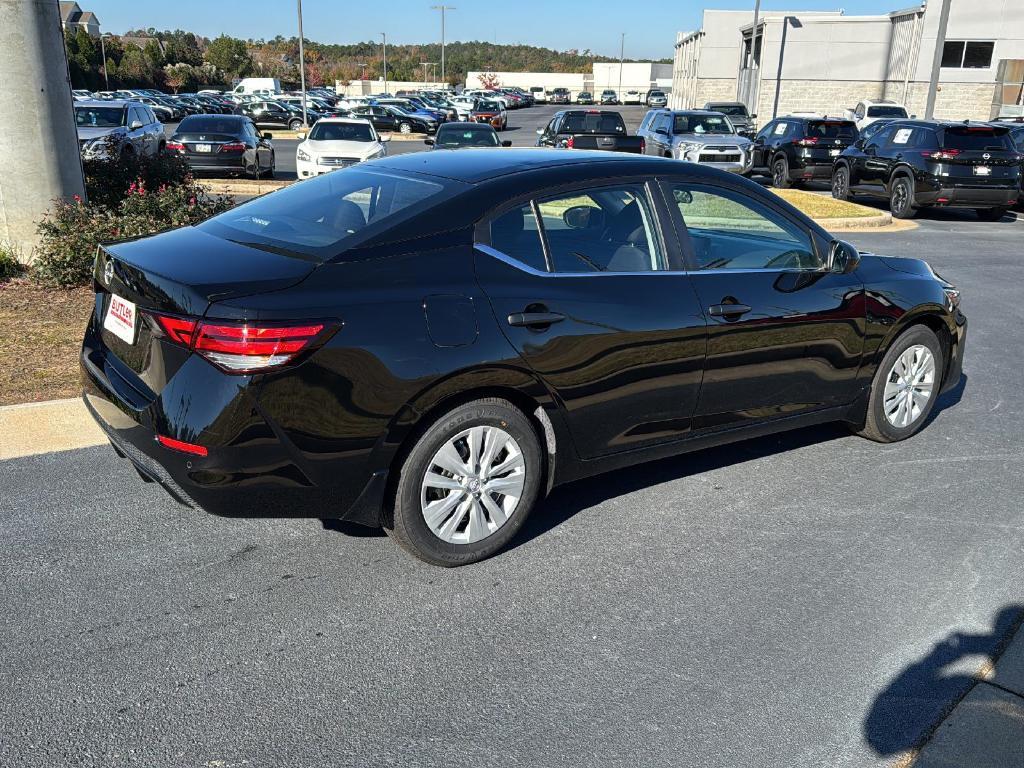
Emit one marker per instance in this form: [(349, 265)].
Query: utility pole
[(35, 111), (103, 53), (442, 9), (786, 22), (622, 54), (424, 64), (753, 37), (384, 36), (362, 65), (940, 43), (302, 68)]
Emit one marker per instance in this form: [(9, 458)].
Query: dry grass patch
[(824, 206)]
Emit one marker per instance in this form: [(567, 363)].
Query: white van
[(263, 86)]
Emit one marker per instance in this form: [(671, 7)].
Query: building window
[(961, 54)]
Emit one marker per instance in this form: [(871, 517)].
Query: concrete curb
[(55, 425), (857, 222), (243, 186)]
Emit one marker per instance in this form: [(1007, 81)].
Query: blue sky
[(650, 25)]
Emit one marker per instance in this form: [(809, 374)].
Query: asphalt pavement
[(781, 602)]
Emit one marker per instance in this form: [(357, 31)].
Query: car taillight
[(175, 146), (570, 142), (941, 154), (241, 348), (643, 146), (234, 146), (810, 141)]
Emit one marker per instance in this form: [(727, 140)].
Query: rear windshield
[(341, 132), (733, 110), (887, 112), (209, 124), (99, 117), (702, 124), (321, 217), (593, 122), (977, 138), (452, 136), (832, 130)]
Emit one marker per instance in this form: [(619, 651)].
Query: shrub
[(108, 179), (71, 233), (10, 266)]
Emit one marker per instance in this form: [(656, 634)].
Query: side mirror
[(506, 143), (135, 125), (913, 117), (429, 142), (583, 217), (268, 136), (683, 196), (842, 257), (754, 116), (385, 138), (540, 131), (661, 131), (300, 136)]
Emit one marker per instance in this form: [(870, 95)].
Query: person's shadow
[(914, 703)]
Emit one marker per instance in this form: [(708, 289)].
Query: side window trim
[(686, 243)]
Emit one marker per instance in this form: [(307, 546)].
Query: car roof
[(239, 118), (488, 164), (344, 119), (104, 103)]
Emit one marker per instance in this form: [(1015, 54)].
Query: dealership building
[(826, 62), (641, 76)]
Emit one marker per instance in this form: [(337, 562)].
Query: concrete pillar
[(39, 157)]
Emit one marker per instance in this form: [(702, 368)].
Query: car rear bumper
[(812, 170), (969, 196), (208, 163)]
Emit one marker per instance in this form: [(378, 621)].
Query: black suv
[(794, 149), (917, 164)]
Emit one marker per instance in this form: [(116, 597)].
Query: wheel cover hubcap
[(909, 386), (473, 485)]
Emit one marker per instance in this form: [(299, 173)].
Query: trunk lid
[(975, 154)]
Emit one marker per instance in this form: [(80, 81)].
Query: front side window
[(729, 230), (608, 229)]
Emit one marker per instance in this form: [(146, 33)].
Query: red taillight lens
[(570, 142), (174, 146), (182, 446), (248, 348), (643, 146), (177, 329), (941, 154), (234, 146)]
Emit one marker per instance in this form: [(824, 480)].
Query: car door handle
[(728, 310), (534, 319)]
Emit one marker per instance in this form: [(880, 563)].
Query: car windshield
[(835, 130), (466, 136), (488, 106), (321, 217), (977, 138), (887, 112), (99, 117), (702, 124), (341, 132)]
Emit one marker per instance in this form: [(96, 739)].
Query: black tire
[(991, 214), (273, 167), (294, 125), (841, 183), (404, 128), (876, 426), (780, 173), (405, 522), (901, 198)]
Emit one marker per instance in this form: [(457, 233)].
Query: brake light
[(174, 146), (810, 141), (234, 146), (182, 446), (643, 146), (570, 142), (240, 348), (941, 154)]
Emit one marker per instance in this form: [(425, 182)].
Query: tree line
[(184, 61)]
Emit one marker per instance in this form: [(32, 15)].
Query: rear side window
[(831, 130), (978, 138), (910, 138), (593, 122), (516, 235)]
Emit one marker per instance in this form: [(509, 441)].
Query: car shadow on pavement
[(904, 715)]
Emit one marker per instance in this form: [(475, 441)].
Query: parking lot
[(778, 602)]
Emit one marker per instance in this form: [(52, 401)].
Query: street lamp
[(363, 65), (782, 51), (442, 9), (103, 53), (384, 37), (426, 64), (622, 54), (302, 68)]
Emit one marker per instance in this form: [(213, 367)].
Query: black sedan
[(223, 144), (462, 135), (431, 341)]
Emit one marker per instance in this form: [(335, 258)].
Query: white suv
[(869, 110)]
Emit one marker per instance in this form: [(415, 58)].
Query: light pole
[(442, 9), (622, 55), (940, 43), (302, 68), (384, 37), (362, 64), (103, 53), (782, 51), (424, 64)]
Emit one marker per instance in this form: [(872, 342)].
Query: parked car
[(874, 128), (162, 112), (1017, 134), (415, 108), (80, 94), (490, 112), (584, 97), (559, 96), (224, 144), (657, 99), (117, 126), (463, 135), (796, 149), (869, 110), (609, 98), (589, 129), (337, 142), (540, 96), (428, 345), (272, 114), (918, 164), (697, 136), (385, 118), (738, 115), (633, 98)]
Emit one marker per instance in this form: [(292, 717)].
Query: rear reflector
[(180, 445), (941, 154)]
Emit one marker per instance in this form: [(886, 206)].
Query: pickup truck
[(589, 129)]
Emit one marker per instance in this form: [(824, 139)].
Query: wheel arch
[(899, 171), (931, 316)]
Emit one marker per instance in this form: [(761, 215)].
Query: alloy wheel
[(472, 485), (909, 386), (839, 185), (405, 128), (900, 197), (779, 175)]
